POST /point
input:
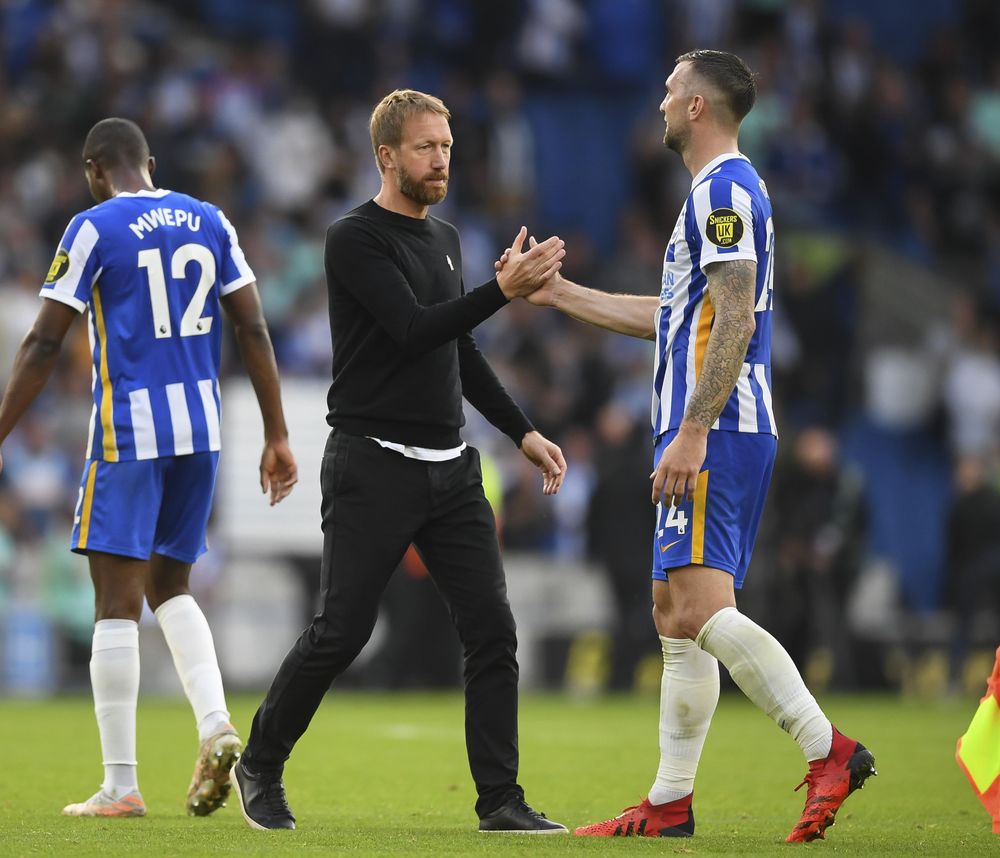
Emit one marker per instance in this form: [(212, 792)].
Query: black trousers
[(375, 503)]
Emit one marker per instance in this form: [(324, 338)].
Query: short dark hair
[(729, 74), (116, 142)]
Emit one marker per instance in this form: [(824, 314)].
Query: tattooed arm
[(731, 287)]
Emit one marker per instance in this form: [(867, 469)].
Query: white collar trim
[(156, 192), (715, 162)]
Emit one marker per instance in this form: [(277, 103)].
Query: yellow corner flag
[(978, 751)]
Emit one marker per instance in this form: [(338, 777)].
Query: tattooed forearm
[(731, 287)]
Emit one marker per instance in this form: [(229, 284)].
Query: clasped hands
[(521, 273)]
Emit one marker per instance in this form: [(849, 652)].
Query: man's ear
[(696, 107), (386, 157), (151, 165)]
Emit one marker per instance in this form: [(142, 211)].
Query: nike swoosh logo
[(666, 548)]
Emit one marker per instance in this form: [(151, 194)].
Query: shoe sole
[(212, 792), (234, 781), (861, 765), (131, 811), (671, 831), (525, 831), (98, 815)]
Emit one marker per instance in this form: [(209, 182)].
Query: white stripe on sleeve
[(64, 289), (743, 206), (206, 388), (740, 203), (180, 419), (143, 430), (246, 275)]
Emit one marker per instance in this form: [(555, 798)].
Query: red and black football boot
[(673, 819), (831, 780)]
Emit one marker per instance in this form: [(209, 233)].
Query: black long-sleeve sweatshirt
[(400, 319)]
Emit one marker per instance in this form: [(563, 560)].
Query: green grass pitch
[(387, 774)]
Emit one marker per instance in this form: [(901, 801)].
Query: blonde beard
[(417, 191)]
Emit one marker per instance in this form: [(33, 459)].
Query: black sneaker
[(516, 816), (262, 799)]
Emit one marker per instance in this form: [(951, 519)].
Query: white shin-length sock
[(767, 675), (193, 649), (114, 676), (689, 693)]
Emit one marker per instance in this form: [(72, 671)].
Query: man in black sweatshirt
[(396, 470)]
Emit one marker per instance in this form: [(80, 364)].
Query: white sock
[(114, 676), (689, 693), (190, 640), (766, 674)]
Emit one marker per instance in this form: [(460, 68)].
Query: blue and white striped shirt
[(151, 267), (726, 216)]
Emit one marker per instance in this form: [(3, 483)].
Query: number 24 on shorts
[(676, 518)]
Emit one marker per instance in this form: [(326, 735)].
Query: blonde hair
[(389, 115)]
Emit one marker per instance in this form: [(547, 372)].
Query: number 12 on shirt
[(193, 324)]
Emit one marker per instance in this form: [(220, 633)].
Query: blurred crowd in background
[(877, 130)]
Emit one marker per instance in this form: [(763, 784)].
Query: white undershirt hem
[(423, 454)]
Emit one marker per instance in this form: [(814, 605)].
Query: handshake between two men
[(523, 273)]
